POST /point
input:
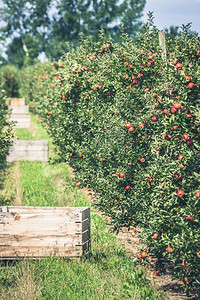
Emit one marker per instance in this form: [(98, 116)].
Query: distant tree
[(37, 26), (172, 32), (24, 52), (24, 21), (72, 17)]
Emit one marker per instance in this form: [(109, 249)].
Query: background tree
[(25, 22), (36, 26), (72, 17)]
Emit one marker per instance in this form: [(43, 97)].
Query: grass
[(108, 274)]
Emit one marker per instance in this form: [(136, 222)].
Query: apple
[(131, 129), (128, 125), (121, 175), (169, 249), (178, 65), (190, 85), (187, 78), (180, 193), (186, 136), (155, 236), (198, 194), (169, 137), (177, 105), (144, 254), (154, 118), (190, 142), (173, 110)]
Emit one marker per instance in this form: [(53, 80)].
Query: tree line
[(32, 27)]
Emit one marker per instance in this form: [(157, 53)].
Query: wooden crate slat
[(30, 143), (36, 251), (16, 101), (50, 224), (25, 240), (42, 231), (31, 150), (22, 109), (73, 214)]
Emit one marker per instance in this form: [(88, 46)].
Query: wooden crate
[(17, 101), (23, 120), (33, 232), (22, 109), (31, 150)]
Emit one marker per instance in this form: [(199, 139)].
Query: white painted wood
[(22, 109), (31, 150)]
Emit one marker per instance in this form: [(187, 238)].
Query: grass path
[(109, 274)]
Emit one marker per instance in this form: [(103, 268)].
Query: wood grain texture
[(30, 150), (42, 231)]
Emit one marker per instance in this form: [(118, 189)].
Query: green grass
[(108, 274)]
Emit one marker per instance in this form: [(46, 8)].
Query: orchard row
[(127, 121)]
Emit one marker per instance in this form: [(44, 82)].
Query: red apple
[(190, 85), (154, 118), (121, 175), (198, 194), (131, 129), (173, 110), (180, 193)]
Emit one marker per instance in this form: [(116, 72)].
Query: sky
[(174, 12), (171, 12)]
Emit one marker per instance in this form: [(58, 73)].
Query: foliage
[(26, 24), (5, 135), (10, 78), (128, 123), (36, 26), (61, 278)]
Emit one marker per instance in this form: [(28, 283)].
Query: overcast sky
[(174, 12)]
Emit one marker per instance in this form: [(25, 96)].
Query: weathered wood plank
[(30, 143), (76, 214), (16, 101), (161, 36), (38, 251), (41, 252), (50, 224), (42, 231), (22, 109), (23, 120), (28, 150)]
